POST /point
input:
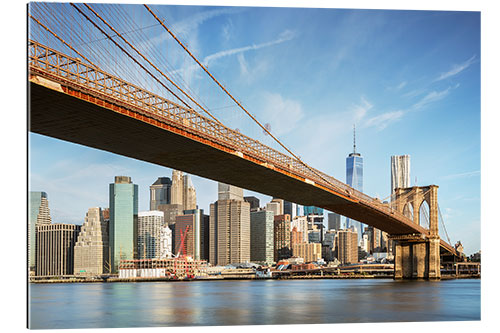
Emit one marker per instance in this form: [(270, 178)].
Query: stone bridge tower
[(417, 255)]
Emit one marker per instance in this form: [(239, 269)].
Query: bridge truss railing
[(51, 63)]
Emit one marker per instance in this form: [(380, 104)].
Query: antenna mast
[(354, 148)]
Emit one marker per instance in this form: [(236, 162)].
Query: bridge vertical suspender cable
[(128, 54), (149, 62), (444, 227), (234, 99), (62, 40)]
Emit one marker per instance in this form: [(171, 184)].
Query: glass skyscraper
[(354, 178), (123, 212), (312, 210)]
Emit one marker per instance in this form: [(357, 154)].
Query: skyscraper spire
[(354, 139)]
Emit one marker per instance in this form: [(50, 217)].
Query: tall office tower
[(105, 214), (170, 211), (39, 214), (312, 210), (149, 229), (288, 208), (316, 222), (205, 238), (229, 227), (262, 237), (177, 189), (55, 244), (354, 178), (281, 207), (300, 222), (185, 226), (314, 236), (347, 246), (274, 207), (254, 203), (189, 225), (400, 178), (400, 172), (328, 245), (92, 246), (374, 239), (229, 192), (165, 242), (309, 252), (334, 221), (330, 238), (365, 242), (296, 237), (123, 209), (282, 249), (159, 192), (189, 194)]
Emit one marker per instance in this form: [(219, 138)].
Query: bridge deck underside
[(60, 115)]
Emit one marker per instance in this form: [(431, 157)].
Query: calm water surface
[(93, 305)]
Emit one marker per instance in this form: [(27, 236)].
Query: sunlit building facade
[(123, 211)]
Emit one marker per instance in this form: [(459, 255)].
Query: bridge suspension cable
[(444, 226), (264, 128), (150, 63), (62, 40), (128, 54)]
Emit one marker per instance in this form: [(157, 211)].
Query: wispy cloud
[(226, 30), (398, 87), (285, 36), (456, 69), (431, 97), (283, 114), (193, 22), (401, 85), (462, 175), (360, 110), (243, 64), (383, 120)]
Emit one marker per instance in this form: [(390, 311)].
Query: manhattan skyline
[(409, 80)]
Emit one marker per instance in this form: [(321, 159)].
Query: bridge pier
[(416, 258)]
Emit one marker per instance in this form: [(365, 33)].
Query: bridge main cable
[(234, 99), (62, 40), (152, 65)]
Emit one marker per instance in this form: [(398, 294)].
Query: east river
[(152, 304)]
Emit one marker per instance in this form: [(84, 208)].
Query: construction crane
[(181, 254), (182, 250)]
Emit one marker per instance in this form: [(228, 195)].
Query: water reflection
[(250, 302)]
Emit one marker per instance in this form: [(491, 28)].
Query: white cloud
[(361, 109), (401, 85), (284, 115), (456, 69), (431, 97), (192, 68), (193, 22), (383, 120), (463, 175), (284, 37), (226, 30), (243, 64), (398, 87)]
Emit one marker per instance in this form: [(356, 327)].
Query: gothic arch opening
[(408, 210), (424, 214)]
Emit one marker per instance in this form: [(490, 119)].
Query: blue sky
[(409, 80)]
